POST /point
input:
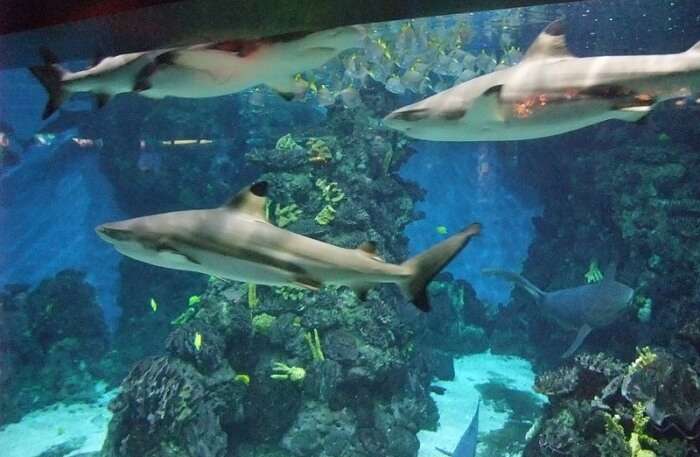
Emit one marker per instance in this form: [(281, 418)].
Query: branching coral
[(285, 372), (325, 216), (330, 191), (314, 343), (559, 382), (285, 215), (286, 143), (290, 293), (319, 151), (645, 358), (593, 274)]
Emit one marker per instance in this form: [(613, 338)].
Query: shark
[(550, 92), (199, 71), (466, 447), (237, 242), (581, 308)]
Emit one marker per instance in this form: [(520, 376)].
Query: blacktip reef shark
[(467, 443), (236, 241), (583, 308), (205, 70), (550, 92)]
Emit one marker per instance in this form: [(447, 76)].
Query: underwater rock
[(166, 407), (441, 365), (341, 346), (557, 383), (690, 332), (317, 428), (670, 390), (208, 357)]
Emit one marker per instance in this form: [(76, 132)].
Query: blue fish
[(467, 444)]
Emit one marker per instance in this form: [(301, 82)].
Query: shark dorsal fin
[(251, 201), (551, 42), (369, 248)]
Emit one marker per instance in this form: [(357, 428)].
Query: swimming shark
[(583, 308), (204, 70), (236, 241), (467, 443), (550, 92)]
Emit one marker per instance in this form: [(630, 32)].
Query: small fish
[(154, 305), (441, 229), (351, 98), (242, 378), (325, 96), (394, 85), (198, 341)]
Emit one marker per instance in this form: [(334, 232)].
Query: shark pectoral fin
[(307, 283), (361, 290), (633, 113), (442, 451), (173, 256), (102, 99), (489, 104), (252, 201), (143, 77), (580, 336)]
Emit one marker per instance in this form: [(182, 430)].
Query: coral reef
[(53, 344)]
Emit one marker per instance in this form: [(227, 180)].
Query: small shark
[(205, 70), (467, 443), (236, 241), (583, 307), (550, 92)]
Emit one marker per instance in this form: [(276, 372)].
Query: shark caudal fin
[(50, 75), (695, 48), (516, 279), (426, 265)]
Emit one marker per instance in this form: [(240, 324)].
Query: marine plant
[(286, 143), (252, 296), (593, 274), (330, 191), (645, 357), (325, 216), (319, 151), (262, 323), (290, 293), (639, 435), (314, 343), (285, 215), (285, 372)]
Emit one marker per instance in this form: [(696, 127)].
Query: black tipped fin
[(550, 43), (142, 81), (361, 290), (50, 75), (307, 283), (102, 100), (288, 96), (252, 200), (370, 247), (423, 267)]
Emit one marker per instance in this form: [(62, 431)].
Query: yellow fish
[(198, 341), (154, 305), (242, 378), (441, 229)]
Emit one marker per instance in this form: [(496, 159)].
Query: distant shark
[(584, 307), (236, 241), (467, 443), (550, 92), (205, 70)]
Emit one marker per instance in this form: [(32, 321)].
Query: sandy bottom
[(508, 404), (76, 429)]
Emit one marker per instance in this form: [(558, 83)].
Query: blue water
[(465, 183)]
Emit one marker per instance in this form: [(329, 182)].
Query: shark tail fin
[(516, 279), (50, 75), (695, 47), (426, 265)]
